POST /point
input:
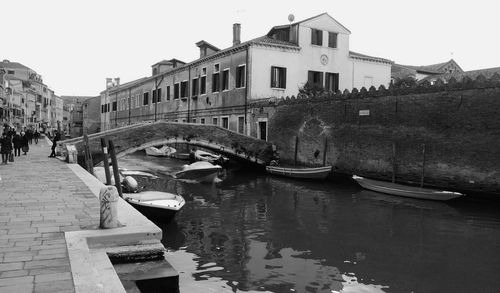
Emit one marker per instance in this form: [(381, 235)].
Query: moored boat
[(303, 173), (164, 151), (405, 190), (156, 204), (209, 157), (199, 171)]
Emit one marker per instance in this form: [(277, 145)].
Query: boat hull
[(319, 173), (157, 205), (404, 190), (200, 175)]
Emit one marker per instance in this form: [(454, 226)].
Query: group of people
[(12, 140)]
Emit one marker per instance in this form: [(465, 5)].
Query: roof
[(357, 55), (305, 20), (473, 74), (204, 43), (13, 65), (125, 85), (168, 62), (433, 68)]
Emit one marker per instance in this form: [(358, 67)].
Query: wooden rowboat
[(405, 190), (303, 173)]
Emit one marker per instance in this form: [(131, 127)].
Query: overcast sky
[(75, 45)]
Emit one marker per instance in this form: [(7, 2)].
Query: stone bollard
[(71, 154), (108, 196)]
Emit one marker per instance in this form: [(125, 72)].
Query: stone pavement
[(40, 199)]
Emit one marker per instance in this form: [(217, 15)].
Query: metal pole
[(393, 162), (423, 166), (104, 146), (115, 168), (324, 151), (296, 149)]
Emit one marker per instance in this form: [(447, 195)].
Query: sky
[(76, 45)]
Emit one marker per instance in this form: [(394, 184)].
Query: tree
[(311, 89), (403, 82)]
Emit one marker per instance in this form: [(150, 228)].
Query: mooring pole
[(116, 173), (104, 146), (393, 162), (423, 166), (324, 151), (88, 155), (296, 149)]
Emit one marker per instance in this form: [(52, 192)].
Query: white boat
[(405, 190), (199, 171), (164, 151), (125, 172), (209, 157), (302, 173), (156, 204)]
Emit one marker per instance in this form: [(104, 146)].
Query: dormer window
[(316, 37)]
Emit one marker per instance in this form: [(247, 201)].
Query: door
[(263, 130)]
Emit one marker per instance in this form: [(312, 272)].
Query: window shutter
[(273, 76), (284, 78)]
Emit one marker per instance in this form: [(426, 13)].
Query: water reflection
[(254, 232)]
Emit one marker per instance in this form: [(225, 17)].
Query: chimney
[(236, 34), (117, 81)]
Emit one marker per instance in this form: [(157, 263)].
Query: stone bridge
[(136, 137)]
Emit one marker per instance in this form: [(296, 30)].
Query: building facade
[(218, 87), (399, 71)]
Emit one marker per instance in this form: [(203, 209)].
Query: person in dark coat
[(5, 148), (29, 135), (57, 137), (16, 140), (24, 143), (36, 136)]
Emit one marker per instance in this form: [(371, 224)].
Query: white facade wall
[(367, 74)]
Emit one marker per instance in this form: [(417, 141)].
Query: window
[(215, 121), (102, 109), (158, 97), (278, 77), (176, 91), (225, 122), (154, 96), (215, 83), (332, 40), (203, 85), (168, 92), (184, 89), (204, 71), (194, 87), (202, 120), (240, 76), (225, 79), (145, 98), (262, 131), (114, 106), (241, 124), (194, 120), (216, 67), (332, 81), (12, 72), (317, 37), (315, 77)]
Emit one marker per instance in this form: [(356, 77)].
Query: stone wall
[(458, 122)]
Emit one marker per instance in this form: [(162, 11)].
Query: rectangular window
[(145, 98), (240, 76), (184, 89), (202, 120), (12, 72), (194, 120), (154, 96), (204, 71), (102, 108), (332, 82), (215, 83), (168, 92), (176, 91), (241, 124), (194, 87), (225, 79), (278, 77), (225, 122), (332, 40), (315, 77), (216, 68), (203, 85), (215, 121), (114, 106), (317, 37), (158, 95)]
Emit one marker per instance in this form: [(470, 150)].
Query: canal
[(253, 232)]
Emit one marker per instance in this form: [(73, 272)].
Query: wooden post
[(105, 159), (393, 162), (324, 151), (88, 155), (296, 149), (116, 173), (423, 166)]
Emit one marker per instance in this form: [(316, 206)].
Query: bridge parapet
[(140, 136)]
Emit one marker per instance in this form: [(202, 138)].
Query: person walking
[(29, 135), (57, 137), (36, 136), (16, 140), (5, 148), (24, 143)]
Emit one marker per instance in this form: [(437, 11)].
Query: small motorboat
[(156, 204), (302, 173), (164, 151), (199, 171), (125, 172), (209, 157), (405, 190)]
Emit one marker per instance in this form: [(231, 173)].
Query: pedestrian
[(16, 140), (29, 135), (24, 143), (5, 148), (57, 137), (36, 136)]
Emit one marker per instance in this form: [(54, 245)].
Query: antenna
[(291, 18)]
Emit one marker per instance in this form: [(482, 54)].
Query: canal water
[(254, 232)]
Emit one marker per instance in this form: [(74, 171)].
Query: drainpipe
[(129, 104), (247, 69), (189, 91), (116, 112)]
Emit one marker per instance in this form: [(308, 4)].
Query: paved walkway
[(40, 199)]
